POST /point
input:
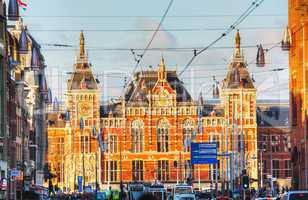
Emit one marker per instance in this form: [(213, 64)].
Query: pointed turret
[(23, 41), (215, 92), (237, 52), (238, 75), (215, 88), (237, 40), (200, 100), (162, 75), (81, 45), (260, 61), (35, 59), (82, 78), (286, 40), (13, 11)]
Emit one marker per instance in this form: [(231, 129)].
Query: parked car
[(295, 195), (183, 192)]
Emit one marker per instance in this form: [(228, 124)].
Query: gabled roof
[(145, 81), (82, 77), (114, 108), (238, 75), (82, 80)]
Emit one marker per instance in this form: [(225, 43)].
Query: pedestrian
[(282, 190), (124, 196), (111, 193)]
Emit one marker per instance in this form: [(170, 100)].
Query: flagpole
[(83, 155), (96, 168), (108, 159), (83, 151), (211, 173), (199, 178)]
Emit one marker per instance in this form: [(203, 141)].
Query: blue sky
[(265, 26)]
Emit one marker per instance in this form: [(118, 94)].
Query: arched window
[(137, 136), (188, 128), (162, 137)]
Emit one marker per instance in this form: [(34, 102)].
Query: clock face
[(164, 99), (84, 109)]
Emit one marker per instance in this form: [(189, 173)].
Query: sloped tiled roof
[(144, 82), (238, 75), (82, 77), (82, 80), (114, 108)]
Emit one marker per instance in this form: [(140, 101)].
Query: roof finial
[(237, 40), (162, 69), (82, 52), (162, 61)]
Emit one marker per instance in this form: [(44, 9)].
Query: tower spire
[(162, 69), (237, 40), (237, 52), (81, 45)]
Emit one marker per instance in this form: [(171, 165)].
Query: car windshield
[(136, 188), (299, 196), (187, 198), (183, 190)]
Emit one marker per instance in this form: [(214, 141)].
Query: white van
[(183, 192)]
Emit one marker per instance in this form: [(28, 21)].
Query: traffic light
[(245, 182)]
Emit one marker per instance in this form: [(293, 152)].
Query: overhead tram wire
[(242, 17), (153, 36), (151, 30), (67, 47), (184, 78), (149, 16)]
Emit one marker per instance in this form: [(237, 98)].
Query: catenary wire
[(151, 30), (247, 12), (153, 36), (151, 16)]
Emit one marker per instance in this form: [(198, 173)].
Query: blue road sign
[(14, 172), (79, 183), (203, 153)]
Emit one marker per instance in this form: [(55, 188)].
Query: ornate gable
[(82, 78), (162, 83), (147, 84), (238, 75)]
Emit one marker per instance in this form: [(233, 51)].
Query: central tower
[(82, 124), (239, 98)]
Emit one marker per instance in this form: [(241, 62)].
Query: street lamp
[(261, 166)]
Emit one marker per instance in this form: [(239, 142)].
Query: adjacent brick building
[(298, 56), (274, 142)]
